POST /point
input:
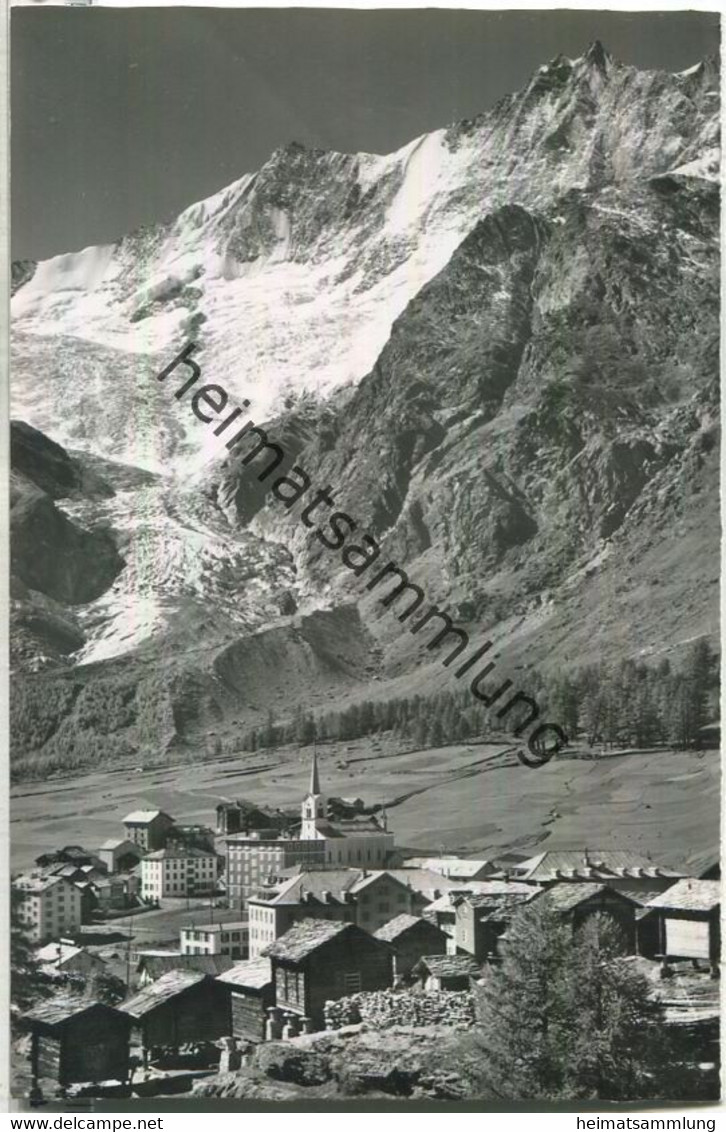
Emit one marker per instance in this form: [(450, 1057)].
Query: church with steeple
[(349, 842), (315, 805)]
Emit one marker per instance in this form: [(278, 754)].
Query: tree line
[(630, 703)]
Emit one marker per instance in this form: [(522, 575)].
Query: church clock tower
[(315, 806)]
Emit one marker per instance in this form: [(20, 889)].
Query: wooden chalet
[(688, 917), (252, 993), (446, 972), (482, 917), (318, 960), (180, 1007), (411, 937), (577, 903), (77, 1042)]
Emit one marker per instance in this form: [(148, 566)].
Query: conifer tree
[(565, 1017)]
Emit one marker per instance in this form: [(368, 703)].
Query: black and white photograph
[(365, 538)]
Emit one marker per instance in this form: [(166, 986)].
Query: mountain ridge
[(499, 344)]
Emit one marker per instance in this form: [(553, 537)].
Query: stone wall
[(383, 1009)]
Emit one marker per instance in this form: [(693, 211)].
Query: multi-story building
[(362, 843), (349, 895), (119, 854), (178, 871), (48, 906), (230, 939), (148, 828), (252, 860)]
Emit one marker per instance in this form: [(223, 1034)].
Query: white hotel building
[(49, 906), (178, 870)]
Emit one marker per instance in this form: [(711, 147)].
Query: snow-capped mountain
[(291, 278), (500, 343)]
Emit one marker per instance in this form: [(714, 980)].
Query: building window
[(352, 982)]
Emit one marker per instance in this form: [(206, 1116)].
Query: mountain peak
[(597, 56)]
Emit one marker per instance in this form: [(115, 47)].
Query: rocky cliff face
[(55, 564), (499, 346)]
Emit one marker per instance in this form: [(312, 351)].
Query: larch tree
[(567, 1017)]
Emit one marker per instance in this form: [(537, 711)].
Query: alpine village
[(278, 945)]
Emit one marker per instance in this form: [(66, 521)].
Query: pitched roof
[(449, 966), (58, 953), (116, 842), (304, 937), (159, 965), (36, 883), (480, 893), (143, 817), (307, 936), (565, 897), (399, 925), (58, 1010), (253, 973), (368, 878), (443, 903), (640, 896), (155, 994), (690, 896), (426, 881), (450, 866), (493, 905), (315, 882), (590, 864), (493, 889)]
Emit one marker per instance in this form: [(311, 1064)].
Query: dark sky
[(122, 117)]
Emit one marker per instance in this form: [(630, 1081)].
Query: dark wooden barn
[(317, 960), (411, 937), (688, 916), (579, 902), (180, 1007), (251, 992), (446, 972), (77, 1042)]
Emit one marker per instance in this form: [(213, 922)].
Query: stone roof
[(252, 973), (162, 990), (159, 965), (56, 1011), (690, 895), (565, 897), (305, 937), (397, 927)]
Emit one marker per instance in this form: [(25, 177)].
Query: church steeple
[(315, 805), (314, 777)]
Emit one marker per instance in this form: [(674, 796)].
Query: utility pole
[(128, 955)]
